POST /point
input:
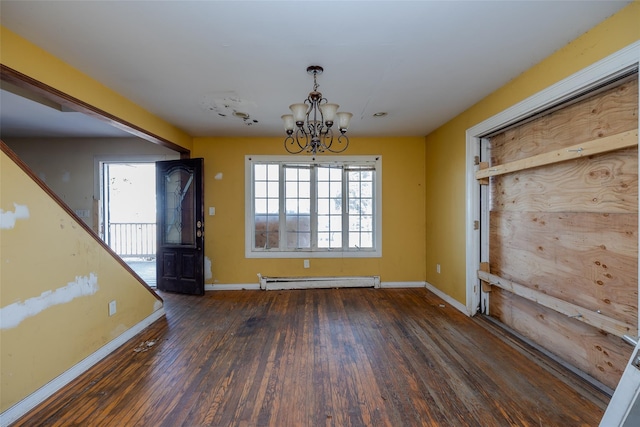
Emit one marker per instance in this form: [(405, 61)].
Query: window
[(301, 207)]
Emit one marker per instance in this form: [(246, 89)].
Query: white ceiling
[(193, 62)]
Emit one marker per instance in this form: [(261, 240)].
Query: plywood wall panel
[(598, 353), (570, 230), (587, 259), (606, 114), (605, 182)]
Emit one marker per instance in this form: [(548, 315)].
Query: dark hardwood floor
[(331, 357)]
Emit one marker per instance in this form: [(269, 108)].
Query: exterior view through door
[(128, 214)]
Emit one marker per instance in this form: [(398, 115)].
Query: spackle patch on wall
[(8, 218), (12, 315), (207, 268)]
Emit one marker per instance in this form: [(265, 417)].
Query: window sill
[(313, 254)]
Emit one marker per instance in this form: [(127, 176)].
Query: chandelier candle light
[(314, 120)]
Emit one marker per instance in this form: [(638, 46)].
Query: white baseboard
[(319, 282), (452, 302), (390, 285), (233, 287), (38, 396)]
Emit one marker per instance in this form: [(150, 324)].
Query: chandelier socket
[(343, 121), (288, 123), (329, 112), (299, 112)]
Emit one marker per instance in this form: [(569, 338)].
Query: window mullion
[(374, 227), (314, 207), (345, 209), (282, 214)]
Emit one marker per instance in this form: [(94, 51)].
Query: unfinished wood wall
[(569, 230)]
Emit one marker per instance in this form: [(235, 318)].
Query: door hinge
[(476, 160), (476, 225)]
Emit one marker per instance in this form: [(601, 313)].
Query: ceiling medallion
[(313, 121)]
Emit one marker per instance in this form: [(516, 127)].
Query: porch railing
[(133, 239)]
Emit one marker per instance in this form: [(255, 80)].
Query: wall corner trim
[(28, 403)]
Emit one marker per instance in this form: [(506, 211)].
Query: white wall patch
[(8, 218), (12, 315), (207, 268)]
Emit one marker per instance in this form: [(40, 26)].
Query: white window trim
[(333, 253)]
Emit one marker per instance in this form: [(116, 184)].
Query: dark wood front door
[(180, 226)]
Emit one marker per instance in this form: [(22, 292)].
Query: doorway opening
[(128, 214)]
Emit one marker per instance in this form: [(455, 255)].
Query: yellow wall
[(403, 211), (445, 147), (56, 284), (25, 57), (54, 251)]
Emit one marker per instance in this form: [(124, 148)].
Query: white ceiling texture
[(201, 64)]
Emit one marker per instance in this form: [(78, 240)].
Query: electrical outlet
[(438, 268), (306, 263), (112, 308)]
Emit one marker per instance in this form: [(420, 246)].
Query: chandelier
[(313, 121)]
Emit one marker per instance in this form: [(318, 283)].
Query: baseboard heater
[(277, 283)]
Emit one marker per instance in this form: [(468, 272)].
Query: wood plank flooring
[(322, 357)]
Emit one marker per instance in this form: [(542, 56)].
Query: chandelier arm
[(301, 139), (342, 143), (290, 145), (311, 127), (326, 140), (314, 125)]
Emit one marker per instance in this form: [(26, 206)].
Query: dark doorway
[(180, 231)]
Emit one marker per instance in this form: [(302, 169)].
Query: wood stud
[(573, 311), (596, 146)]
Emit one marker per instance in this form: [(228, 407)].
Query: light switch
[(212, 211)]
